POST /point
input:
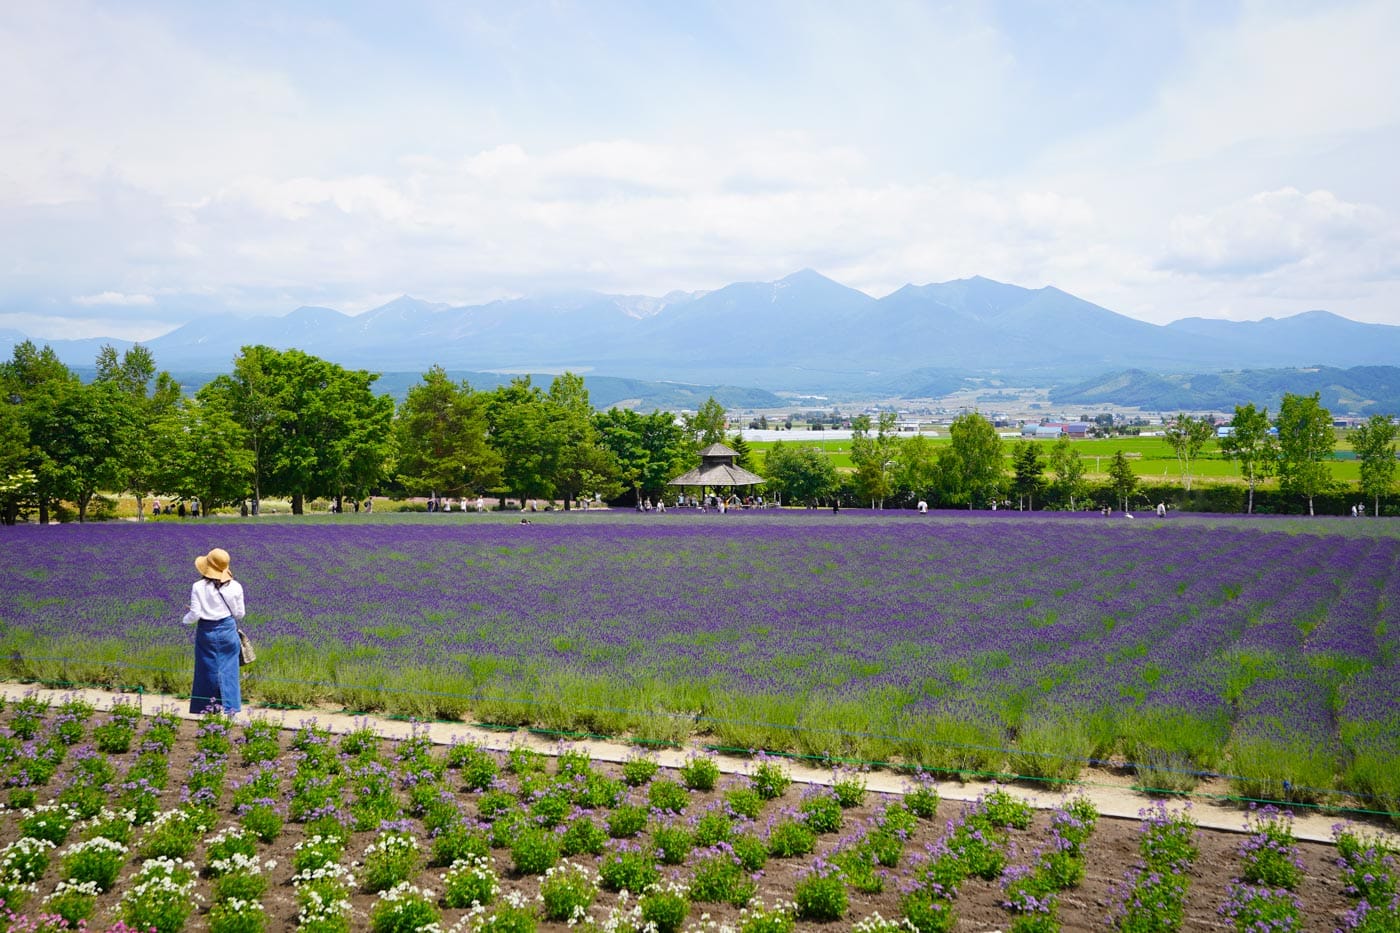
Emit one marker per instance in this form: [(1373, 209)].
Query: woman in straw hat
[(216, 605)]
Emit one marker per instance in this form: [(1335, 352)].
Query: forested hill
[(603, 391), (1362, 390)]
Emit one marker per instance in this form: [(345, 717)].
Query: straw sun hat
[(214, 565)]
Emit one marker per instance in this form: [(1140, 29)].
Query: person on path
[(216, 605)]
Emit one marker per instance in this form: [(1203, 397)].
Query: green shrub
[(667, 796), (534, 851), (73, 901), (638, 770), (664, 907), (770, 778), (921, 798), (159, 898), (821, 895), (673, 842), (627, 821), (96, 861), (403, 908), (822, 812), (567, 892), (470, 881), (389, 861), (714, 826), (628, 868), (745, 802), (758, 918), (849, 788), (720, 878), (789, 838), (477, 767), (700, 772)]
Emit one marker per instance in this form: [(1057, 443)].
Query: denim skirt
[(216, 666)]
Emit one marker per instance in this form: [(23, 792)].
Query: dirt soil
[(1110, 852)]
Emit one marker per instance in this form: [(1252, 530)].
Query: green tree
[(1249, 444), (248, 396), (973, 463), (708, 424), (916, 470), (205, 454), (1188, 437), (799, 473), (442, 429), (1374, 443), (874, 456), (313, 427), (740, 446), (1028, 473), (519, 422), (34, 380), (1069, 470), (82, 432), (1121, 479), (1305, 441), (650, 450), (150, 397), (579, 464)]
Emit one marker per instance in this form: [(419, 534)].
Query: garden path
[(1112, 794)]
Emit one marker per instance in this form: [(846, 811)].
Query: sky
[(160, 161)]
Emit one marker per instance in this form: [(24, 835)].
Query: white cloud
[(114, 298), (191, 165), (1269, 231)]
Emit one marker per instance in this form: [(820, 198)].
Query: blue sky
[(159, 161)]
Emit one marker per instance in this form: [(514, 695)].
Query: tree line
[(286, 424), (971, 469)]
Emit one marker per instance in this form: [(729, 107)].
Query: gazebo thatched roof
[(717, 469)]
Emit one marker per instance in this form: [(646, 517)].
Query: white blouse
[(207, 601)]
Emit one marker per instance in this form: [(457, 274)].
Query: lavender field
[(1263, 650)]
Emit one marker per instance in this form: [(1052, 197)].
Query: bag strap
[(220, 591)]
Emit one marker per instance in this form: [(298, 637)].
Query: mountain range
[(804, 333)]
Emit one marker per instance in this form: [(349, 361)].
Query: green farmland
[(1151, 457)]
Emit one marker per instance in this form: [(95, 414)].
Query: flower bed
[(395, 835)]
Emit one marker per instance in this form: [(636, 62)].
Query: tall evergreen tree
[(1121, 479), (1028, 472), (442, 434)]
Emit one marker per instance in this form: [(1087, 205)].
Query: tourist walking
[(216, 605)]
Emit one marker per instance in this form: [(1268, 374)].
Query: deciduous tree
[(799, 473), (708, 424), (650, 450), (1188, 437), (151, 396), (973, 464), (204, 454), (1248, 443), (1069, 470), (1305, 441), (874, 456), (1374, 443)]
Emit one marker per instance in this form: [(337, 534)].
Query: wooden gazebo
[(717, 469)]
